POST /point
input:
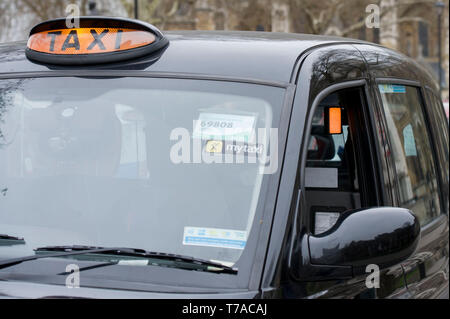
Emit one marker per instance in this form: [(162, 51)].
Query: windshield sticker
[(409, 142), (234, 148), (246, 149), (214, 146), (214, 237), (391, 88), (133, 262), (228, 127)]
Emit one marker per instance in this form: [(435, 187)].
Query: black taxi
[(194, 164)]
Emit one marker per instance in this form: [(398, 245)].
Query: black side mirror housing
[(383, 236)]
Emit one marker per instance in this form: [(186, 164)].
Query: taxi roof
[(263, 56)]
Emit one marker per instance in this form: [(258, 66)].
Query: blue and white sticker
[(409, 141), (392, 88), (214, 237), (228, 127)]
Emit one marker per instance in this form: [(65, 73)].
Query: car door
[(342, 174), (417, 182), (353, 161)]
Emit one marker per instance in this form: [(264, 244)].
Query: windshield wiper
[(14, 261), (7, 240), (177, 261), (3, 236)]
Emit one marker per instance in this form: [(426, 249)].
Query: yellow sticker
[(214, 147)]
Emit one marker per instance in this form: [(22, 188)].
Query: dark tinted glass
[(96, 162), (411, 150)]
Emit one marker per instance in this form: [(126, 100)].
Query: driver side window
[(334, 166)]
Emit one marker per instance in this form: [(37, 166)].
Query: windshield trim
[(143, 74)]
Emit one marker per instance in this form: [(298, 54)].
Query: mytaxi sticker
[(214, 147)]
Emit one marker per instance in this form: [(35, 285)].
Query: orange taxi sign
[(96, 40), (88, 40)]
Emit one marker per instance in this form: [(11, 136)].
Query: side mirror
[(383, 236)]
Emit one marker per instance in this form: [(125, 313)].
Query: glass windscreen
[(133, 162)]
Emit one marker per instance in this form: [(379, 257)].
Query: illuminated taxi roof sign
[(97, 40)]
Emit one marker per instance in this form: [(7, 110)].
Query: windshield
[(133, 162)]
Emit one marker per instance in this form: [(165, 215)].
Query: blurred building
[(409, 26)]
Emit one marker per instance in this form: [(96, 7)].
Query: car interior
[(334, 169)]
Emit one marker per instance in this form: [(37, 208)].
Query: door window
[(331, 154), (441, 130), (411, 150), (337, 173)]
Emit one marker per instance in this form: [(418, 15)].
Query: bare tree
[(19, 16), (344, 17), (156, 12)]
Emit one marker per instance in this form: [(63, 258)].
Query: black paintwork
[(310, 67), (386, 244), (256, 55)]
